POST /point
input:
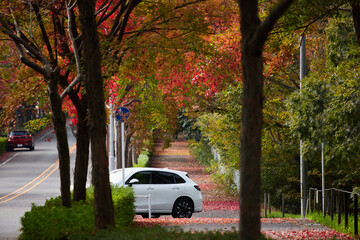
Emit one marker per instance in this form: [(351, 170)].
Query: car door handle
[(150, 188), (175, 188)]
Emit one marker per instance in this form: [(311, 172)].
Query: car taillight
[(197, 187)]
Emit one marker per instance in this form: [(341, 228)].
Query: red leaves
[(169, 221), (306, 234), (220, 206), (282, 228)]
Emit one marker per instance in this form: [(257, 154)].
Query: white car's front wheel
[(183, 208)]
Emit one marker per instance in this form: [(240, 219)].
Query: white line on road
[(9, 160)]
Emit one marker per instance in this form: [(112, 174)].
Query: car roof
[(137, 169)]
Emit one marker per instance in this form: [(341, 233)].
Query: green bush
[(36, 125), (202, 152), (53, 221), (124, 208), (143, 159), (3, 143), (157, 232)]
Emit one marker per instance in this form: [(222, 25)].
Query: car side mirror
[(133, 181)]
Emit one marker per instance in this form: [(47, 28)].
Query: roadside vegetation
[(156, 232), (54, 221), (3, 144), (36, 125), (333, 224)]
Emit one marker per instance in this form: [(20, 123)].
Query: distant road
[(28, 177)]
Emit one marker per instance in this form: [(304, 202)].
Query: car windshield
[(19, 133)]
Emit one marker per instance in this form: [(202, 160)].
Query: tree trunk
[(251, 145), (103, 204), (355, 11), (82, 158), (254, 34), (128, 153), (59, 121)]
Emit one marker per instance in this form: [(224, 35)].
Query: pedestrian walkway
[(220, 211)]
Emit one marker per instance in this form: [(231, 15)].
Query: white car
[(171, 192)]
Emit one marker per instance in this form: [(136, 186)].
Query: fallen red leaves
[(220, 206), (169, 221), (306, 234)]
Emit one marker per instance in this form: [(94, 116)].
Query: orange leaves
[(169, 221)]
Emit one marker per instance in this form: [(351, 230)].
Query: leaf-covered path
[(220, 211)]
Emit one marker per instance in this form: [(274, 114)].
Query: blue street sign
[(121, 114)]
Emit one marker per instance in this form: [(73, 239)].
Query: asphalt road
[(28, 177)]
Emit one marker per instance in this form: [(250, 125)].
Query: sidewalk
[(220, 211)]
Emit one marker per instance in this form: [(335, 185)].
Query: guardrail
[(149, 203)]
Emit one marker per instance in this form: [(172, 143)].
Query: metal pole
[(123, 151), (111, 138), (322, 178), (303, 175)]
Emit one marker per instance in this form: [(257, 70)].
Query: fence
[(149, 203), (267, 204), (335, 201), (332, 202)]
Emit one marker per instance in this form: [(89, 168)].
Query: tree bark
[(254, 34), (82, 158), (355, 11), (103, 204), (251, 129), (59, 121)]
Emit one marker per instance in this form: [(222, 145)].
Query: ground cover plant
[(157, 232), (333, 224), (3, 142), (54, 221)]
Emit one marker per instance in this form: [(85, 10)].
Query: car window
[(166, 178), (18, 133), (163, 178), (179, 179), (143, 177)]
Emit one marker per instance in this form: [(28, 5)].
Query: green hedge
[(3, 143), (53, 221), (158, 232)]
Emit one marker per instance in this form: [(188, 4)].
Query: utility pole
[(303, 167), (111, 139)]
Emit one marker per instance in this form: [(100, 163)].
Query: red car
[(20, 139)]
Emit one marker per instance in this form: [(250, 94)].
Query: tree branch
[(43, 32), (69, 88), (265, 27), (20, 43)]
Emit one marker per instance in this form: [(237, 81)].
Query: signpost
[(122, 114)]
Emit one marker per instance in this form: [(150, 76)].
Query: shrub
[(3, 143), (202, 152), (36, 125), (53, 221), (143, 159), (157, 232)]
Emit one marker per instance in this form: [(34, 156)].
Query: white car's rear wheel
[(183, 208)]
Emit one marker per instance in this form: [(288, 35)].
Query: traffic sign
[(121, 114)]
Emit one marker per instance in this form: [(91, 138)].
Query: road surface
[(28, 177)]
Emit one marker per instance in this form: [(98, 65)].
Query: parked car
[(20, 139), (171, 192)]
